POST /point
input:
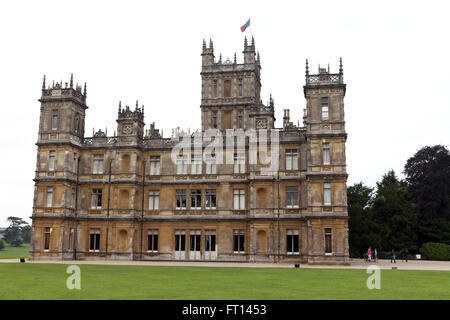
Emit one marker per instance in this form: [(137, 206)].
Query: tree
[(362, 231), (396, 214), (13, 234), (428, 177)]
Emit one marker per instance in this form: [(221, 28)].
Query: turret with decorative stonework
[(130, 123)]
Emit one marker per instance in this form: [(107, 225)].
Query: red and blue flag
[(245, 26)]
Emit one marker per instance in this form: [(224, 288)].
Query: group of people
[(403, 255), (373, 255)]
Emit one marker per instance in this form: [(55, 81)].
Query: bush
[(435, 251), (2, 244)]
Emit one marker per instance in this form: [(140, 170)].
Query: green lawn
[(15, 252), (48, 281)]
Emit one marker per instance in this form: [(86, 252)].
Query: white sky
[(395, 55)]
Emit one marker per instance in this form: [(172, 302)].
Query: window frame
[(152, 236)]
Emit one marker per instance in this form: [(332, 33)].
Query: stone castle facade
[(123, 196)]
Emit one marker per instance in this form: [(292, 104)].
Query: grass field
[(15, 252), (48, 281)]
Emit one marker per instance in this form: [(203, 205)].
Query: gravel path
[(354, 264)]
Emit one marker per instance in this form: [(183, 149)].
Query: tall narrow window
[(98, 164), (292, 241), (214, 119), (196, 164), (153, 200), (325, 108), (47, 232), (180, 240), (94, 240), (326, 153), (49, 196), (239, 199), (154, 165), (328, 241), (51, 161), (74, 165), (152, 240), (238, 241), (327, 193), (291, 197), (215, 88), (210, 199), (227, 88), (194, 240), (182, 164), (291, 159), (240, 87), (210, 240), (196, 199), (77, 120), (240, 119), (239, 163), (180, 199), (96, 199), (54, 119), (211, 167)]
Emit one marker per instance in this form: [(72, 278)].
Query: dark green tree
[(428, 178), (395, 214), (13, 234)]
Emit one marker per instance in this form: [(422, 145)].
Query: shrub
[(436, 251), (2, 244)]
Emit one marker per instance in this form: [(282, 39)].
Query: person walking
[(393, 255), (406, 254), (402, 255), (369, 254), (375, 255)]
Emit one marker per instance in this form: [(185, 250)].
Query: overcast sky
[(395, 54)]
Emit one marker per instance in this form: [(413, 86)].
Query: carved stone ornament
[(127, 129)]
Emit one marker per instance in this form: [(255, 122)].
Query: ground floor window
[(238, 241), (180, 240), (328, 241), (47, 232), (152, 240), (210, 240), (94, 240), (292, 241), (194, 240)]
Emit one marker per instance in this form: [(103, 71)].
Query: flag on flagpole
[(245, 26)]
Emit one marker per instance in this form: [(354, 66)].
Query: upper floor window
[(74, 164), (240, 87), (196, 199), (327, 193), (291, 197), (154, 165), (153, 200), (291, 159), (49, 196), (215, 88), (54, 119), (51, 160), (326, 153), (211, 166), (240, 119), (96, 199), (210, 199), (182, 164), (325, 108), (98, 163), (180, 198), (227, 88), (196, 164), (239, 199), (77, 121), (239, 163)]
